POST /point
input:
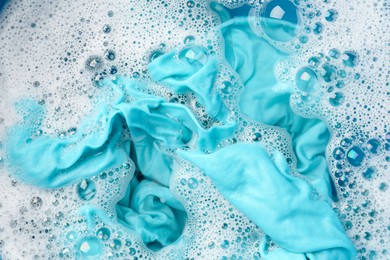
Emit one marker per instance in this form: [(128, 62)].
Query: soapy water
[(295, 77)]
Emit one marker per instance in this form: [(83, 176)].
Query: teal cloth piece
[(287, 208), (152, 211), (193, 71), (262, 99), (155, 127)]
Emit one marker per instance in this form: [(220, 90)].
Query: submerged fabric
[(195, 73), (154, 125), (253, 58), (287, 208)]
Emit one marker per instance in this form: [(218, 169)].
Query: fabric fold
[(263, 100), (285, 207), (191, 70)]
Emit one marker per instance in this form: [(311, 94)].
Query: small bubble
[(36, 202), (329, 73), (280, 20), (368, 174), (86, 189), (338, 153), (189, 40), (109, 55), (331, 15), (350, 59), (306, 79), (225, 244), (65, 253), (193, 183), (89, 247), (226, 87), (103, 233), (116, 244), (373, 145), (355, 156), (383, 186), (343, 181), (93, 63), (337, 99), (318, 28), (106, 28), (346, 142), (155, 54), (195, 55), (36, 84), (334, 53), (190, 4)]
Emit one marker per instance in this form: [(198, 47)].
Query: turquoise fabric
[(153, 212), (155, 127), (193, 71), (262, 99), (287, 208)]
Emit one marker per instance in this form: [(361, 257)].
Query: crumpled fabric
[(263, 99), (153, 212), (155, 127), (193, 71), (287, 208)]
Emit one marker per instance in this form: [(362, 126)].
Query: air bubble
[(349, 59), (86, 190), (116, 244), (369, 173), (36, 202), (306, 79), (193, 183), (109, 55), (189, 40), (279, 20), (106, 28), (103, 233), (338, 153), (373, 145), (337, 100), (226, 87), (196, 55), (155, 54), (355, 156), (329, 73), (93, 63), (331, 15), (89, 247)]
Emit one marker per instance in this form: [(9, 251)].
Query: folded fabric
[(285, 207)]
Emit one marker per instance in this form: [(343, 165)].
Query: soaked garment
[(287, 208), (262, 99), (155, 127), (196, 72)]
